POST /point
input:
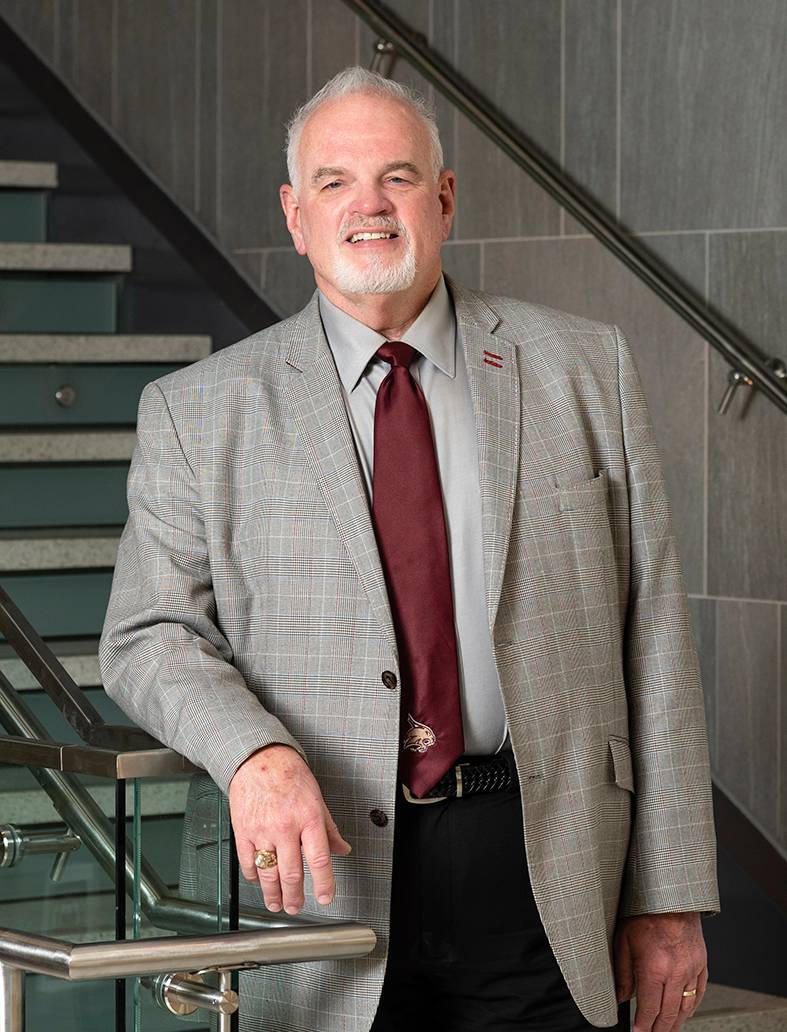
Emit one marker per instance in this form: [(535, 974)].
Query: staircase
[(69, 390), (72, 367)]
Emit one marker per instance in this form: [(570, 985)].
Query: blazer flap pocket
[(621, 762), (568, 481), (578, 478)]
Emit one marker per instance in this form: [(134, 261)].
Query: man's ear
[(292, 214), (447, 196)]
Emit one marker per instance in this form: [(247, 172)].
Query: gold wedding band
[(264, 858), (689, 992)]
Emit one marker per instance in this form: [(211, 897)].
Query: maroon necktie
[(407, 511)]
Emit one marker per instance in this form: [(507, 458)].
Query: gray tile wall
[(670, 113)]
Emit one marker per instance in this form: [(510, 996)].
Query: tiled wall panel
[(263, 78), (703, 84), (747, 758), (157, 64)]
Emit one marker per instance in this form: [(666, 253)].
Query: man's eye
[(334, 183), (396, 179)]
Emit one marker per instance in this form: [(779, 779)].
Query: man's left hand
[(658, 956)]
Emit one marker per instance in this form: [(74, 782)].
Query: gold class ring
[(264, 858), (689, 992)]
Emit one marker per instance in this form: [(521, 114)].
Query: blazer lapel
[(318, 406), (494, 387)]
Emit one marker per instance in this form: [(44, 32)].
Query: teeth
[(370, 236)]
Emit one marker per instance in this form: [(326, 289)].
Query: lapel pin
[(494, 360)]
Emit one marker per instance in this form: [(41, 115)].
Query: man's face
[(365, 167)]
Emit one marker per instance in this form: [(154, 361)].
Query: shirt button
[(389, 679), (379, 818)]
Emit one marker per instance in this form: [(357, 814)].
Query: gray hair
[(357, 79)]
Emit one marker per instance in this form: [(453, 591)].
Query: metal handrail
[(79, 962), (22, 953), (767, 372)]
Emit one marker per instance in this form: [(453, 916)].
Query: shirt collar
[(354, 344)]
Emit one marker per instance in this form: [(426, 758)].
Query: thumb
[(624, 969)]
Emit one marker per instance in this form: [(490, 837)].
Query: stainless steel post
[(225, 1017), (12, 999)]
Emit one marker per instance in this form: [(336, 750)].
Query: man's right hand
[(276, 803)]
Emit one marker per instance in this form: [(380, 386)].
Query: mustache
[(390, 225)]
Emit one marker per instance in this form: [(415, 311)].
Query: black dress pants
[(468, 951)]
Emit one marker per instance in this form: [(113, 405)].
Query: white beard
[(379, 275)]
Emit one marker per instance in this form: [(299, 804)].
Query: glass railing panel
[(53, 885), (179, 828)]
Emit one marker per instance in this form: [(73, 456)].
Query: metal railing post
[(12, 999)]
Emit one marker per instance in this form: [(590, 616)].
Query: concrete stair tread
[(44, 550), (103, 347), (728, 1002), (31, 805), (28, 257), (68, 446), (80, 659), (725, 1008), (30, 174)]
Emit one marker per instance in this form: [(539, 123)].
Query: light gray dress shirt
[(440, 370)]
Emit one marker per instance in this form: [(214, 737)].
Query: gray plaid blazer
[(248, 606)]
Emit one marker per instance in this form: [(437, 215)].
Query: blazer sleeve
[(162, 656), (671, 863)]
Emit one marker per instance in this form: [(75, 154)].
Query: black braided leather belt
[(496, 773)]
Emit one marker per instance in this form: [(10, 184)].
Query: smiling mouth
[(362, 237)]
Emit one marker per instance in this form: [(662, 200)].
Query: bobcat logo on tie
[(419, 737)]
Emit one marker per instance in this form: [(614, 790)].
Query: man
[(306, 507)]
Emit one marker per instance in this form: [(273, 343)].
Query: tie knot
[(397, 353)]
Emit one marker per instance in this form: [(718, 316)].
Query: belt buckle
[(457, 770), (411, 798)]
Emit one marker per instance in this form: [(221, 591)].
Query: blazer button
[(389, 679), (379, 818)]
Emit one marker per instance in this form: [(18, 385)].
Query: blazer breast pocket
[(569, 491), (578, 494)]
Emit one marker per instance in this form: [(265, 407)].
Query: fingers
[(624, 969), (702, 984), (689, 1004), (268, 878), (317, 851), (649, 994), (662, 1007), (671, 1003), (283, 884), (245, 850)]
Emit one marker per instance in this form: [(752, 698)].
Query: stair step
[(84, 446), (726, 1009), (112, 347), (45, 551), (65, 257), (26, 806), (80, 659), (35, 174)]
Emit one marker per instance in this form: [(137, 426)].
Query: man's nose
[(371, 200)]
